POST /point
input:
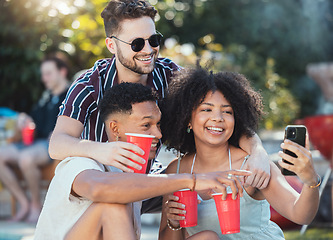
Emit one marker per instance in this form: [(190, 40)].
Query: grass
[(310, 234)]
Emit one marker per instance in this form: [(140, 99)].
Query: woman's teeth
[(215, 129)]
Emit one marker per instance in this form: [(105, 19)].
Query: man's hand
[(120, 155), (23, 120), (258, 164), (218, 182), (65, 142)]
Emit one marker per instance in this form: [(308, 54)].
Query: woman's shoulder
[(172, 167), (238, 156), (185, 164)]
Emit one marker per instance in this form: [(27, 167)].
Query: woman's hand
[(302, 164), (173, 209)]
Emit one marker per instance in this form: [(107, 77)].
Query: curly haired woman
[(204, 118)]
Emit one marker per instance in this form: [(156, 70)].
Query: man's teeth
[(145, 59), (215, 129), (153, 145)]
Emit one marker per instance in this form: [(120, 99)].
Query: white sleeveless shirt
[(255, 217)]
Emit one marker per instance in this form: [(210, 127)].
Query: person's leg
[(104, 221), (204, 235), (9, 155), (30, 159)]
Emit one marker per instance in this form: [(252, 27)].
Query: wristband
[(318, 184), (171, 227)]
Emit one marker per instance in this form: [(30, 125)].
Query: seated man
[(89, 200), (30, 157)]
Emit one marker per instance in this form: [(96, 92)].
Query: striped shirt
[(85, 94)]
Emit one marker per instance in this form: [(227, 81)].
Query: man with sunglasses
[(134, 41), (132, 38)]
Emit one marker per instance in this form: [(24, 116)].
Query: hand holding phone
[(295, 133)]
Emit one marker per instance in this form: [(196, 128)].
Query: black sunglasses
[(138, 44)]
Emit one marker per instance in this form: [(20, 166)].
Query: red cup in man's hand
[(144, 142)]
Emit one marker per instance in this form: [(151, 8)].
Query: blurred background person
[(29, 156)]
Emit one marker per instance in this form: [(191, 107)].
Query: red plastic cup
[(228, 213), (144, 142), (28, 134), (190, 200)]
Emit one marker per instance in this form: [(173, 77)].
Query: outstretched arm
[(65, 142), (130, 187), (299, 208), (258, 162)]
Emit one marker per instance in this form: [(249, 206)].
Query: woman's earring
[(117, 138), (188, 130)]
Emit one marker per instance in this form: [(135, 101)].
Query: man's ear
[(114, 128), (110, 44)]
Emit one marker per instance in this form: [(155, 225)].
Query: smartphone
[(295, 133)]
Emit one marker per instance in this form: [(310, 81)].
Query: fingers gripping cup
[(190, 200), (28, 134), (144, 142), (228, 212)]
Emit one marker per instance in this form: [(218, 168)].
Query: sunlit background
[(271, 42)]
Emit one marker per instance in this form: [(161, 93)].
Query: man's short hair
[(120, 98), (118, 10)]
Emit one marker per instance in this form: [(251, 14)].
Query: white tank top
[(255, 217)]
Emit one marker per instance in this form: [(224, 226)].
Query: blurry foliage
[(268, 41), (294, 33), (280, 105), (19, 45), (23, 35)]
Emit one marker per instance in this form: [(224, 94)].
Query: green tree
[(280, 105), (294, 33), (239, 35), (24, 40)]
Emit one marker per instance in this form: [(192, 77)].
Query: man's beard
[(131, 64)]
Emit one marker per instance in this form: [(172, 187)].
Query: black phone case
[(298, 138)]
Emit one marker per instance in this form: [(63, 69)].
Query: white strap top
[(255, 217), (229, 161)]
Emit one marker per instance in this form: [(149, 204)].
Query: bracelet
[(194, 176), (318, 184), (171, 227)]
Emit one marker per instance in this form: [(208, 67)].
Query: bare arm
[(257, 163), (130, 187), (127, 187), (299, 208), (65, 142)]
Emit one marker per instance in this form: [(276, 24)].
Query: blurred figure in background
[(31, 154)]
